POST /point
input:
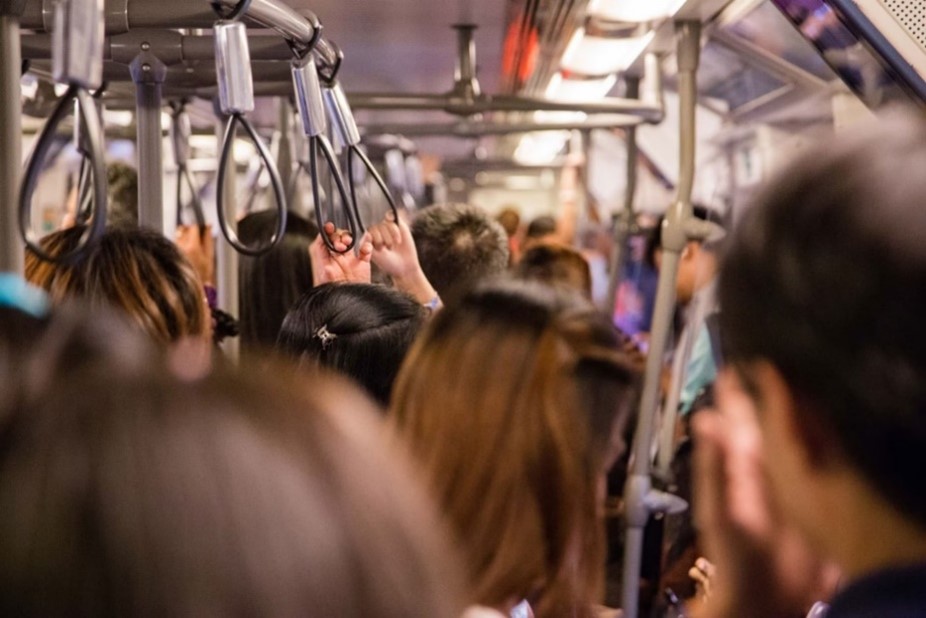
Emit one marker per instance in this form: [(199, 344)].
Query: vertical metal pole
[(637, 492), (11, 246), (226, 257), (148, 74), (626, 218)]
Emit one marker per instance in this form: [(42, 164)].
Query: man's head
[(697, 263), (459, 244), (823, 291)]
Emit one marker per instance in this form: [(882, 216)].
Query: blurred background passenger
[(514, 400), (510, 220), (540, 230), (361, 330), (126, 490), (136, 271), (556, 265), (122, 197), (269, 285), (459, 245)]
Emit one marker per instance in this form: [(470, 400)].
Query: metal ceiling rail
[(123, 16), (171, 47), (466, 129)]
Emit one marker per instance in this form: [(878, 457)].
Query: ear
[(787, 415)]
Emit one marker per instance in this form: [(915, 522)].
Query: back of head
[(654, 241), (825, 278), (510, 220), (127, 491), (122, 181), (509, 400), (137, 271), (541, 227), (557, 265), (361, 330), (270, 284), (458, 245)]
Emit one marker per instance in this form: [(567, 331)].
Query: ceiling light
[(598, 55), (117, 118), (579, 90), (634, 10), (540, 148)]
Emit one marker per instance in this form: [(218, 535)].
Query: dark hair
[(459, 244), (825, 278), (654, 241), (122, 181), (510, 399), (130, 491), (134, 270), (541, 226), (556, 265), (270, 284), (361, 330)]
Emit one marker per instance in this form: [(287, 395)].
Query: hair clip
[(325, 335)]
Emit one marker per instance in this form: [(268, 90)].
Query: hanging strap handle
[(180, 132), (236, 98), (345, 127), (94, 231), (77, 61), (311, 106)]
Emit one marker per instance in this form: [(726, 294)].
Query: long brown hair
[(127, 490), (136, 271), (509, 401)]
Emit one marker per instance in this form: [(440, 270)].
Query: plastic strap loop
[(279, 192), (180, 135), (94, 231)]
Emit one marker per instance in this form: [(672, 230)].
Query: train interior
[(630, 110)]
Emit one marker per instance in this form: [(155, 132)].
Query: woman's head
[(557, 265), (509, 400), (136, 271), (270, 284), (360, 330), (127, 490)]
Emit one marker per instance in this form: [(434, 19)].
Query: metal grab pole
[(625, 219), (640, 500), (148, 74), (12, 250)]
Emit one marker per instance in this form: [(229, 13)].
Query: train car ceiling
[(766, 75)]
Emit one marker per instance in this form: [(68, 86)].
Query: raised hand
[(347, 267), (395, 254)]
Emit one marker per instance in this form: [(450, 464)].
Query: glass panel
[(767, 28), (723, 75)]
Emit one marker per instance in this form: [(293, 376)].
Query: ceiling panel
[(408, 45)]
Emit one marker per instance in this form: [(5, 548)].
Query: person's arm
[(333, 267), (567, 221), (198, 245), (395, 254)]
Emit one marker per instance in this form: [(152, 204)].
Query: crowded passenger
[(556, 265), (270, 284), (130, 487), (513, 401), (361, 330), (459, 245), (816, 453), (136, 271)]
